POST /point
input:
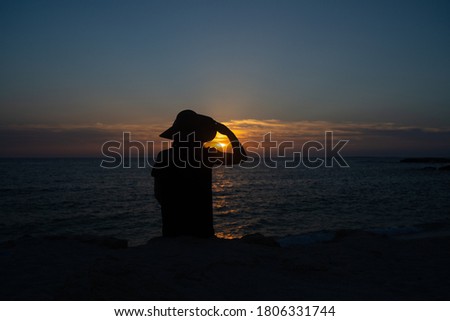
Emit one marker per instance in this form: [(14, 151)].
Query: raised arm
[(239, 153)]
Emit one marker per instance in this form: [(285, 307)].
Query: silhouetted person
[(183, 174)]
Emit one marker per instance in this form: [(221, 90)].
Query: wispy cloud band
[(376, 139)]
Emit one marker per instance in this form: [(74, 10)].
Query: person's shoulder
[(162, 159), (212, 157), (164, 154), (211, 151)]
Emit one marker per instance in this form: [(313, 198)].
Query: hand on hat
[(224, 130)]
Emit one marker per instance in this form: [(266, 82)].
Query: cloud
[(365, 139), (38, 140), (374, 139)]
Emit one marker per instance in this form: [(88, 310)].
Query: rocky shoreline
[(352, 266)]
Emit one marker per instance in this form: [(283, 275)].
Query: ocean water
[(77, 196)]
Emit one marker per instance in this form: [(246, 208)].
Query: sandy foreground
[(353, 266)]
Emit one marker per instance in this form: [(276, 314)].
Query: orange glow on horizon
[(86, 139), (220, 142)]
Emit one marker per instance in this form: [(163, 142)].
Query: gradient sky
[(76, 73)]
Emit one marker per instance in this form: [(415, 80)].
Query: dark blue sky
[(80, 62)]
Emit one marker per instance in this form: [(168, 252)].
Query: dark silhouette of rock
[(103, 241), (439, 160), (358, 266), (258, 238), (445, 168)]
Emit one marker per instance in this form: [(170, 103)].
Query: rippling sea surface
[(77, 196)]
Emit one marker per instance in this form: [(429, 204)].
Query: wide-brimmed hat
[(187, 122)]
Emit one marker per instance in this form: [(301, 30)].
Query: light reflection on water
[(58, 196), (227, 236), (373, 192)]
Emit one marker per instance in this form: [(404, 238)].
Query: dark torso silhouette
[(183, 180)]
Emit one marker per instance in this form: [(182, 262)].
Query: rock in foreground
[(355, 266)]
